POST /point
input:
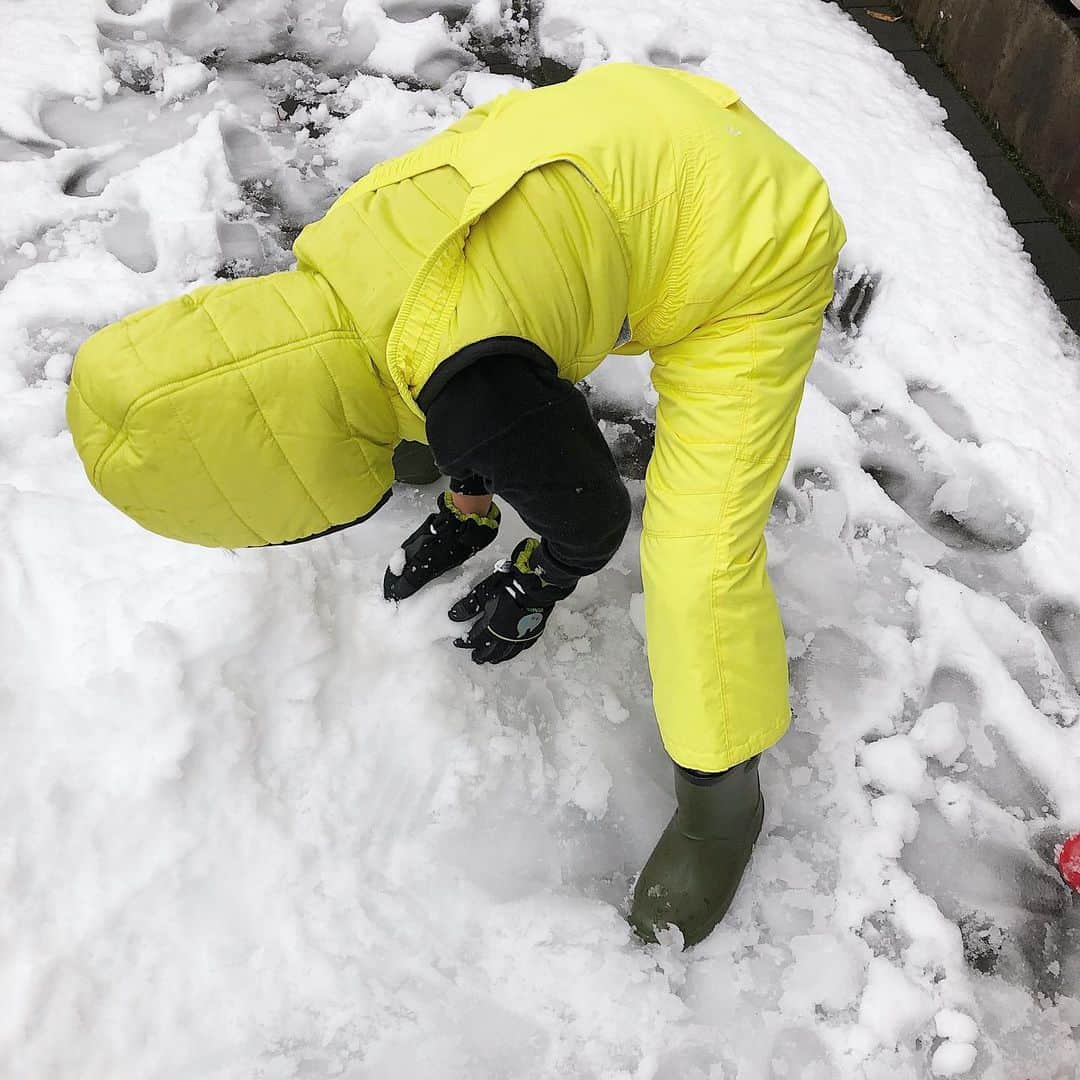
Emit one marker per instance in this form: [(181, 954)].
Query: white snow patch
[(245, 792)]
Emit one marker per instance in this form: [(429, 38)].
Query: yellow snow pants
[(728, 396)]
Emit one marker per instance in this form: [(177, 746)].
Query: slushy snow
[(257, 822)]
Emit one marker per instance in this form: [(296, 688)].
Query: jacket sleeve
[(728, 398), (529, 435)]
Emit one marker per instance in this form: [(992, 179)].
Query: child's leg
[(729, 395), (470, 495)]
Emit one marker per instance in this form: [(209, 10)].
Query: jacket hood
[(244, 413)]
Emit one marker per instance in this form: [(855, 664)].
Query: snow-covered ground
[(256, 822)]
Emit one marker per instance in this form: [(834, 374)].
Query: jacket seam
[(617, 220), (635, 210), (194, 444), (660, 376), (724, 565), (336, 528), (431, 314), (115, 436), (508, 302), (372, 234), (177, 385), (723, 514), (562, 270), (110, 451), (281, 450), (421, 190), (344, 416), (674, 282), (266, 423), (337, 389)]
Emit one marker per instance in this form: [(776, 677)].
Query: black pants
[(469, 484)]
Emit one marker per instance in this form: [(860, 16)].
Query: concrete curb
[(1020, 60), (1056, 260)]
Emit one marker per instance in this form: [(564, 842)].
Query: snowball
[(58, 366), (952, 1059), (937, 733), (895, 764), (953, 1024)]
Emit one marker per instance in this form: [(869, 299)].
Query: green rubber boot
[(695, 868), (414, 463)]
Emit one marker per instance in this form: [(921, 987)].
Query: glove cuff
[(489, 520), (542, 582)]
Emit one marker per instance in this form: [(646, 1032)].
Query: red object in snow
[(1069, 861)]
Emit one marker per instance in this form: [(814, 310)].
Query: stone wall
[(1020, 59)]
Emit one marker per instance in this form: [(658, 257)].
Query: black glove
[(445, 540), (514, 604)]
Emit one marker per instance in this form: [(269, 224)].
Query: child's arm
[(529, 435)]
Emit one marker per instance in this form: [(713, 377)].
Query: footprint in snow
[(851, 301), (128, 238), (978, 518), (948, 414), (1060, 625), (408, 11)]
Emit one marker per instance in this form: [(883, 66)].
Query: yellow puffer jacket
[(266, 410)]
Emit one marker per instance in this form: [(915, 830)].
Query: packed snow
[(257, 822)]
